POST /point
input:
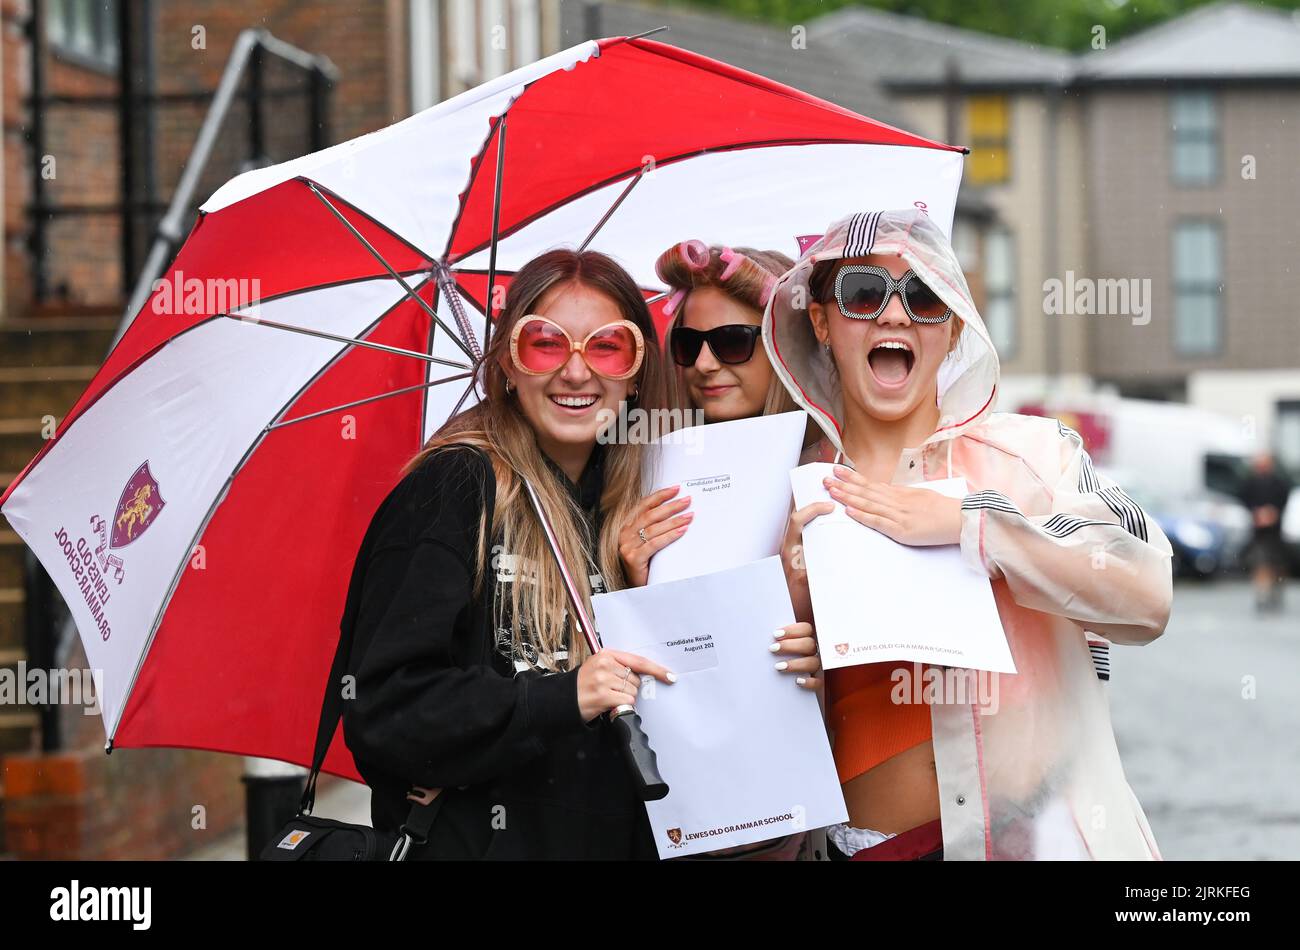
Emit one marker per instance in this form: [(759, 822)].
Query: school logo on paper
[(138, 507), (675, 835), (842, 649)]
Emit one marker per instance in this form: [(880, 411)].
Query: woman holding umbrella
[(468, 678)]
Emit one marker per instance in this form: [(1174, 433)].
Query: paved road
[(1217, 773)]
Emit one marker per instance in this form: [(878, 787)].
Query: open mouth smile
[(891, 362)]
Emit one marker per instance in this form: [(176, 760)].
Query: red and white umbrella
[(202, 505)]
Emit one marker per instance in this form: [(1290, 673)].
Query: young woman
[(467, 677), (721, 369), (875, 334)]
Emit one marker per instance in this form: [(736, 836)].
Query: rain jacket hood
[(1074, 563), (968, 378)]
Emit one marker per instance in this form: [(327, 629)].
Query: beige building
[(1145, 198)]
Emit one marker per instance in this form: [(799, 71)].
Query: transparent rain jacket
[(1036, 775)]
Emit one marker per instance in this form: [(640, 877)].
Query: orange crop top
[(869, 727)]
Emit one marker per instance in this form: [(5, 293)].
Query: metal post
[(320, 90), (36, 136), (256, 131), (38, 640), (272, 791), (126, 97)]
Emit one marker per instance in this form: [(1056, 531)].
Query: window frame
[(105, 57), (1213, 137), (978, 142), (1008, 294), (1180, 287)]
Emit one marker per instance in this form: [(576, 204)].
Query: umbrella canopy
[(201, 506)]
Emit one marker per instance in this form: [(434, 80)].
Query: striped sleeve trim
[(1058, 526), (1100, 651), (1128, 511)]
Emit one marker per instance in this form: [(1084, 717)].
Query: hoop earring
[(509, 386)]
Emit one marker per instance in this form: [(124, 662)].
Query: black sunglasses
[(733, 343), (863, 291)]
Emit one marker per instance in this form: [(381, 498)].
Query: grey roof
[(762, 49), (897, 49), (1220, 41)]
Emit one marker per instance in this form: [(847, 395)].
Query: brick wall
[(84, 259)]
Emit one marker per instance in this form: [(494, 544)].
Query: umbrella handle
[(638, 755)]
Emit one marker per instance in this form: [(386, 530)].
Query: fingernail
[(672, 677), (689, 515), (800, 680), (778, 634), (775, 648), (782, 665)]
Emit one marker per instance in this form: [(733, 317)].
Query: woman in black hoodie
[(467, 676)]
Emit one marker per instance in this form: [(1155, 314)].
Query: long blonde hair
[(745, 275), (496, 425)]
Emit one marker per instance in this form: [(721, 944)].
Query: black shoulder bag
[(307, 838)]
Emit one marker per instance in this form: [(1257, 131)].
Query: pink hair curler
[(695, 254), (733, 260), (674, 302)]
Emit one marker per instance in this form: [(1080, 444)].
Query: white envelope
[(742, 748), (735, 473), (875, 600)]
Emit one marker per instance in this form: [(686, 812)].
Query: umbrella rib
[(212, 509), (362, 402), (388, 267), (612, 208), (496, 229), (351, 341)]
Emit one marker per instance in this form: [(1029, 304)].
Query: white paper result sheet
[(742, 748), (736, 475), (875, 600)]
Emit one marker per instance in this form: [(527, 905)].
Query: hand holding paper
[(877, 600), (908, 514)]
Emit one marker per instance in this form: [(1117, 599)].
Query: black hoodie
[(443, 700)]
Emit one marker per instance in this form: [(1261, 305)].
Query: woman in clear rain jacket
[(1037, 776)]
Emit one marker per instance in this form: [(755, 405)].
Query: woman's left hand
[(916, 516), (799, 641)]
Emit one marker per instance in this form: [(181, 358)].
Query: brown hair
[(497, 426), (745, 274)]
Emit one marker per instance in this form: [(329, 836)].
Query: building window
[(1194, 121), (85, 29), (465, 66), (1000, 290), (1198, 288), (988, 123), (526, 19)]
